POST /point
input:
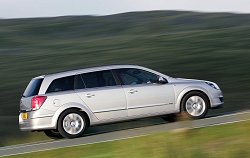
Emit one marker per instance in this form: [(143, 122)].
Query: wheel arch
[(86, 111), (189, 90)]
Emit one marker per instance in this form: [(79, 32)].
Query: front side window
[(61, 84), (130, 76), (98, 79)]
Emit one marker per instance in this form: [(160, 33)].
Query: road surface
[(98, 134)]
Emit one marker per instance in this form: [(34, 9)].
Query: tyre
[(72, 123), (195, 105), (53, 134)]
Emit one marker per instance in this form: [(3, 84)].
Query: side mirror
[(162, 80)]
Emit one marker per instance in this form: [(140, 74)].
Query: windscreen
[(33, 87)]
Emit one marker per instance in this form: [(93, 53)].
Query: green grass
[(212, 46), (224, 141)]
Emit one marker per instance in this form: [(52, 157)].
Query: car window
[(79, 84), (61, 84), (33, 87), (131, 76), (98, 79)]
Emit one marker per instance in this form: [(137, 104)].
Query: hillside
[(211, 46)]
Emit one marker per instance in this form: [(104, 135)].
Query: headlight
[(214, 85)]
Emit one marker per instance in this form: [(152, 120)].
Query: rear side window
[(79, 84), (61, 84), (98, 79), (33, 87)]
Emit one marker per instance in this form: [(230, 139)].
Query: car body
[(91, 96)]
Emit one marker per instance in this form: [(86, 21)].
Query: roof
[(89, 69)]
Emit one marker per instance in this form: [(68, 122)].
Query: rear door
[(101, 93)]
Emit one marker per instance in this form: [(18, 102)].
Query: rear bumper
[(35, 124)]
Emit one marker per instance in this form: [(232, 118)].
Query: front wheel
[(72, 123), (195, 105)]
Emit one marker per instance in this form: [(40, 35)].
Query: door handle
[(132, 91), (89, 95)]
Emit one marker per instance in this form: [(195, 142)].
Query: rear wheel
[(53, 134), (195, 105), (72, 123)]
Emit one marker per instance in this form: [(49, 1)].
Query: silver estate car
[(64, 104)]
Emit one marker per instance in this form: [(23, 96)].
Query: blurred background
[(209, 46)]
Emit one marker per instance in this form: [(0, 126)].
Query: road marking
[(218, 124), (24, 144)]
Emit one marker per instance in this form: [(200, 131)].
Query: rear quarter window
[(33, 87)]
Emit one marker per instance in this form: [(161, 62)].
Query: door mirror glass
[(162, 80)]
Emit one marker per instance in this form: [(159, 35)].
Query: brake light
[(37, 102)]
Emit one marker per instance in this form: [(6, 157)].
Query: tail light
[(37, 102)]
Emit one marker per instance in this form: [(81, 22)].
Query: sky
[(51, 8)]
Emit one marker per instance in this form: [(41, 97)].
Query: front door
[(145, 96)]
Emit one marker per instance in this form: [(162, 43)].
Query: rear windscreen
[(33, 87)]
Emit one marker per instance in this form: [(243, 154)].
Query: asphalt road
[(120, 131)]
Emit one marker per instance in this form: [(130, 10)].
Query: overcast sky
[(47, 8)]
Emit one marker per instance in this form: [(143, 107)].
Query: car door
[(100, 92), (145, 96)]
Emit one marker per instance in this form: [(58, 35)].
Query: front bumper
[(35, 124), (216, 99)]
